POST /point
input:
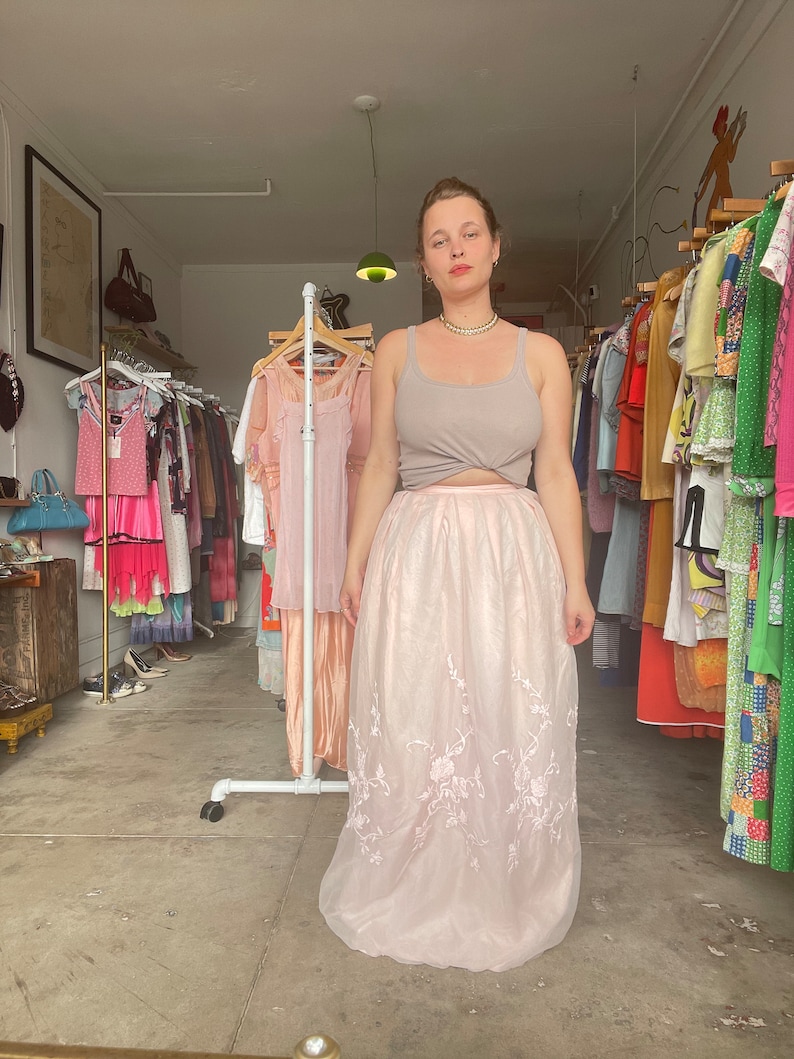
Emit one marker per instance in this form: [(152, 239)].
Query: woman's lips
[(459, 270)]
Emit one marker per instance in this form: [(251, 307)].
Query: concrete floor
[(127, 921)]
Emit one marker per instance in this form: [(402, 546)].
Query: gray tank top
[(446, 427)]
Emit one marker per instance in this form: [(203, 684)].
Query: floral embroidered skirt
[(461, 844)]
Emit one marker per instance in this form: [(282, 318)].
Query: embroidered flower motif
[(361, 786), (447, 792), (533, 805)]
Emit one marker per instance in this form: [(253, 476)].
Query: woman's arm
[(556, 482), (379, 476)]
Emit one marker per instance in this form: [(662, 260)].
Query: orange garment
[(631, 402), (333, 647), (659, 571), (700, 674), (657, 694), (658, 479)]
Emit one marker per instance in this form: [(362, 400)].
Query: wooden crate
[(38, 632)]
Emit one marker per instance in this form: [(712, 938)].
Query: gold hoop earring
[(496, 262), (427, 278)]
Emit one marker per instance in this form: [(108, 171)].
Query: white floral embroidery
[(361, 786), (374, 727), (447, 792), (461, 684), (533, 803)]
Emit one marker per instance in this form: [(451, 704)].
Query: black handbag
[(126, 298), (50, 508), (12, 393)]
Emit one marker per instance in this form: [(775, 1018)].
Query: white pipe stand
[(307, 782)]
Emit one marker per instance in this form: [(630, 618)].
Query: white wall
[(46, 435), (227, 312), (751, 75)]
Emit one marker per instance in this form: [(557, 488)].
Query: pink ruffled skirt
[(461, 844)]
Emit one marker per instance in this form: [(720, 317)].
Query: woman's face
[(459, 252)]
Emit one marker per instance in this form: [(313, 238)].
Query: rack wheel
[(212, 811), (282, 705)]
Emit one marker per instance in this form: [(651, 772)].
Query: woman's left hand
[(579, 615)]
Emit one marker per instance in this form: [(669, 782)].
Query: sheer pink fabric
[(461, 844)]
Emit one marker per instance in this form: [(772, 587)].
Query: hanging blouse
[(126, 446)]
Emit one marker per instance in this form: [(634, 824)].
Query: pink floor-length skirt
[(461, 844)]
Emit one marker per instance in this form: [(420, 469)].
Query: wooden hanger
[(322, 335)]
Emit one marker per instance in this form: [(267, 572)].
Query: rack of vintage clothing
[(303, 435), (140, 463), (714, 460)]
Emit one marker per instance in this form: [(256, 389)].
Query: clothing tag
[(116, 420), (114, 448)]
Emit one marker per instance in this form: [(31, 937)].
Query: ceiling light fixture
[(375, 267)]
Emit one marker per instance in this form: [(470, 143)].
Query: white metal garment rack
[(307, 782)]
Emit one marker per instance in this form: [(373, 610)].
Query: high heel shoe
[(166, 651), (142, 668)]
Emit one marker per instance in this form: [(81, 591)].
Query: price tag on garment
[(114, 448)]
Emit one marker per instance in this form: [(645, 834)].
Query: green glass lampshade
[(376, 267)]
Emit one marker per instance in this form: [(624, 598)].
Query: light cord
[(374, 174)]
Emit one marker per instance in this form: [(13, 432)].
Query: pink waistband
[(508, 487)]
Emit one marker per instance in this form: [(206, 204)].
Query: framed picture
[(64, 265), (146, 284), (2, 236)]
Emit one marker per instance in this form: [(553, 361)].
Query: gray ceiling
[(532, 100)]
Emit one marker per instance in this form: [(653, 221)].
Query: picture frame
[(2, 237), (63, 230), (146, 283)]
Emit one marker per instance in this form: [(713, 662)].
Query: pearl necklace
[(469, 330)]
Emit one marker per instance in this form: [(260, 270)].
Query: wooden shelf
[(14, 503), (28, 579), (146, 347)]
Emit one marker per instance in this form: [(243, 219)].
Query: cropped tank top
[(445, 427)]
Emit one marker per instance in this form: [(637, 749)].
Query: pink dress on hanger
[(126, 430), (342, 425)]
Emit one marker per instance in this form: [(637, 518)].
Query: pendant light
[(374, 267)]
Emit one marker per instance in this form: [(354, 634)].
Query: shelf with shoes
[(130, 338)]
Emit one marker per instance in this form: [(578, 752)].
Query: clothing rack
[(307, 782), (192, 393)]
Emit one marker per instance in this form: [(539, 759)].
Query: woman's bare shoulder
[(391, 352)]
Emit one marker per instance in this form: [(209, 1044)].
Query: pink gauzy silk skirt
[(461, 844)]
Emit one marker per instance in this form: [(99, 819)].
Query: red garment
[(657, 693), (631, 404)]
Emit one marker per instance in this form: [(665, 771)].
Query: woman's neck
[(468, 312)]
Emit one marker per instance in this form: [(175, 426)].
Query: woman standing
[(461, 844)]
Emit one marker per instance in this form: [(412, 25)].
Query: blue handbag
[(50, 508)]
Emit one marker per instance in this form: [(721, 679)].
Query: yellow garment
[(701, 344), (658, 479)]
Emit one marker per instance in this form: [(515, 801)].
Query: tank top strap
[(412, 345), (521, 349)]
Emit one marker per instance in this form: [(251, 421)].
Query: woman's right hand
[(350, 596)]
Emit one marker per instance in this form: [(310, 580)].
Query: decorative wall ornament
[(718, 165), (335, 305)]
